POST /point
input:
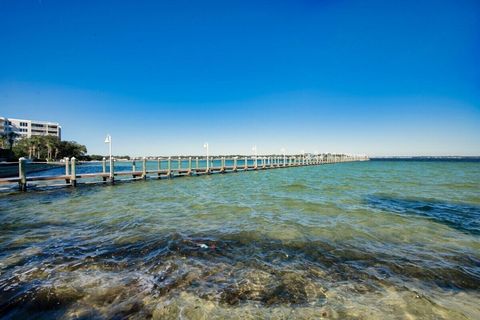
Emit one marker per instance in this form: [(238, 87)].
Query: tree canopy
[(47, 148)]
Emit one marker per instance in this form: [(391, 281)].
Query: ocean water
[(363, 240)]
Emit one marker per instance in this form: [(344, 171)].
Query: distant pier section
[(111, 170)]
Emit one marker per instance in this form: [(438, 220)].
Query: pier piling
[(22, 174), (144, 168), (104, 169), (67, 170), (73, 177), (112, 170)]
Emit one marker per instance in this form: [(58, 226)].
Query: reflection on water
[(351, 241), (463, 217)]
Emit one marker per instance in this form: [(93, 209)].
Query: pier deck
[(167, 170)]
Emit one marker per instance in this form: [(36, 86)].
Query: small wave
[(296, 187)]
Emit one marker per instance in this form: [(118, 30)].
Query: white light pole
[(108, 140), (206, 147)]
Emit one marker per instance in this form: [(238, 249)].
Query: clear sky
[(162, 77)]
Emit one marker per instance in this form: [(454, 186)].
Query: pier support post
[(67, 170), (246, 163), (144, 168), (22, 174), (67, 166), (235, 164), (179, 164), (159, 167), (112, 170), (73, 178), (223, 165), (134, 167), (169, 167), (189, 165), (104, 168)]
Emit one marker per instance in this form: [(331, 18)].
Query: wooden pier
[(172, 167)]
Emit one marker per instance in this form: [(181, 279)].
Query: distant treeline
[(445, 158), (97, 157)]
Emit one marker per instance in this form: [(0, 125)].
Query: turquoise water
[(364, 240)]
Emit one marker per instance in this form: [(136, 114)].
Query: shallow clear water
[(366, 240)]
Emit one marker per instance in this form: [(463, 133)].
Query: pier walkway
[(164, 168)]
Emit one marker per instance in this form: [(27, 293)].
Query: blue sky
[(163, 77)]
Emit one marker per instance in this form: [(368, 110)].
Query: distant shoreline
[(428, 158)]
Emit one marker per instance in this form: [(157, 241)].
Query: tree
[(52, 143), (48, 147), (71, 149), (11, 136), (3, 140)]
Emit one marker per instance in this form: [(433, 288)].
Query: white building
[(28, 128)]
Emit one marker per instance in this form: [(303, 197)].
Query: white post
[(108, 140), (22, 174), (206, 147), (159, 167), (144, 168), (67, 166), (169, 167), (67, 170), (73, 177)]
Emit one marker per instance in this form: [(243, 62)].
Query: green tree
[(71, 149), (48, 148), (11, 136)]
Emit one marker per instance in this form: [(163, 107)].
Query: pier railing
[(113, 170)]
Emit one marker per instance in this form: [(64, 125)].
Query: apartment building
[(28, 128)]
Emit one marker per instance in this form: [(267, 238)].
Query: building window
[(23, 124), (38, 125)]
